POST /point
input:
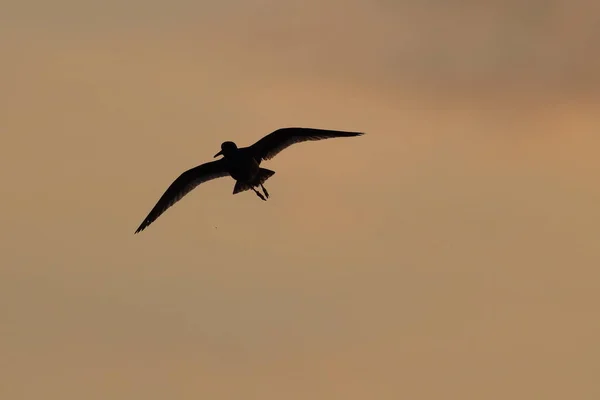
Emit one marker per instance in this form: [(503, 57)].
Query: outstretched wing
[(184, 184), (270, 145)]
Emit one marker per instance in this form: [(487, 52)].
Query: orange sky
[(450, 253)]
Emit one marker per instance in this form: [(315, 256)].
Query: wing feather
[(273, 143), (184, 184)]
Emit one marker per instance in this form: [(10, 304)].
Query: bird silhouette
[(242, 164)]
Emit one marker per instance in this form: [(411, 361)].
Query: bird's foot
[(259, 194), (265, 191)]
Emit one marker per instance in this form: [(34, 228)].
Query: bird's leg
[(264, 190), (259, 194)]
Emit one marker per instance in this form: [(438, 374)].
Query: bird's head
[(227, 148)]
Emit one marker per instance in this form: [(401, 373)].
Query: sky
[(450, 252)]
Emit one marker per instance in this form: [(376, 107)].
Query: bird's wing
[(183, 185), (270, 145)]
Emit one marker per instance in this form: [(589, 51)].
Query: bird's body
[(244, 168), (242, 164)]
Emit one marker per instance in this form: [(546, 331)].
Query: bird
[(242, 164)]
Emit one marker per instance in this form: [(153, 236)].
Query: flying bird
[(242, 164)]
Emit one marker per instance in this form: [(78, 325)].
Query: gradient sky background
[(450, 253)]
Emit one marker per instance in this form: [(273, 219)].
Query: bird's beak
[(218, 154)]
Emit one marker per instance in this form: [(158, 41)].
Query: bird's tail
[(263, 175)]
